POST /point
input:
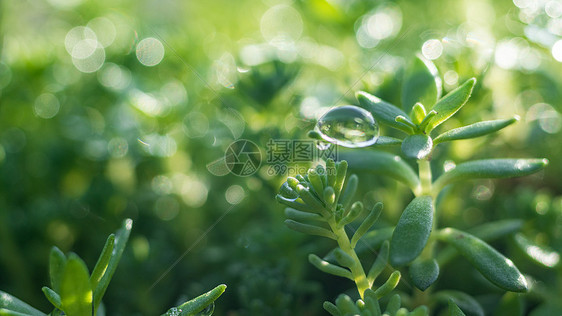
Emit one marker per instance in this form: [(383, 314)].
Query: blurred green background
[(115, 109)]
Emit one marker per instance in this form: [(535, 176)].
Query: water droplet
[(348, 126)]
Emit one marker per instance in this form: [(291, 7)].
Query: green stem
[(356, 269), (425, 176)]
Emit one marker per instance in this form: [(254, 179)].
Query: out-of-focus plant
[(76, 292), (319, 205)]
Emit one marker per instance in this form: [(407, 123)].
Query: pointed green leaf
[(354, 212), (366, 224), (492, 264), (198, 304), (53, 297), (451, 103), (349, 192), (540, 254), (454, 310), (103, 261), (121, 238), (418, 113), (382, 163), (467, 303), (309, 229), (299, 216), (382, 111), (76, 292), (417, 146), (294, 204), (412, 231), (474, 130), (12, 303), (424, 273), (490, 168), (421, 84), (57, 261), (389, 285), (329, 268)]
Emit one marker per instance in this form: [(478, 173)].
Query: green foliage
[(77, 293), (414, 238), (412, 231)]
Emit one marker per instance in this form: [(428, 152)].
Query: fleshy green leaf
[(393, 305), (467, 303), (299, 216), (417, 146), (418, 113), (490, 168), (382, 163), (12, 303), (343, 258), (103, 261), (331, 308), (450, 104), (412, 231), (424, 273), (349, 192), (57, 261), (329, 268), (366, 224), (540, 254), (53, 297), (492, 264), (487, 232), (454, 310), (309, 229), (76, 292), (346, 305), (121, 238), (421, 84), (474, 130), (386, 141), (382, 111), (198, 304), (389, 285)]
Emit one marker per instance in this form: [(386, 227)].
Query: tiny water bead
[(349, 126)]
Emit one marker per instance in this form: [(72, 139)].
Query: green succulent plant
[(76, 292), (318, 204)]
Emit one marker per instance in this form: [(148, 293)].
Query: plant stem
[(356, 269), (425, 176)]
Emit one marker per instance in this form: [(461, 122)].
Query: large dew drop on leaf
[(348, 126)]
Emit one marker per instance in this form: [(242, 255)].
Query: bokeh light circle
[(150, 51), (46, 106)]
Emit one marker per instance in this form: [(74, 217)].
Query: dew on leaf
[(348, 126)]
